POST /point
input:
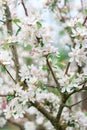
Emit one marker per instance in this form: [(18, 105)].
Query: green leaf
[(85, 11), (72, 78), (3, 69), (28, 48), (45, 67), (53, 6), (19, 29), (85, 113), (39, 83), (63, 54), (16, 20), (62, 32), (69, 30), (53, 56), (71, 123), (60, 64), (80, 24), (41, 43), (6, 45), (69, 101), (10, 97), (55, 91), (65, 1), (39, 25)]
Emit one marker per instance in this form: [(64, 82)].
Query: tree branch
[(64, 99), (25, 9), (13, 48), (16, 124), (3, 95), (84, 21), (43, 110), (50, 68), (67, 68), (77, 103), (9, 73)]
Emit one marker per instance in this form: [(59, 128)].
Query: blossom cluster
[(37, 79)]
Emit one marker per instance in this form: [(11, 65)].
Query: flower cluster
[(37, 80)]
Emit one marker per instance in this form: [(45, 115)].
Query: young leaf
[(39, 25), (16, 20), (19, 29)]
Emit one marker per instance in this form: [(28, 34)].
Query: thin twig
[(83, 82), (84, 21), (76, 91), (50, 68), (25, 9), (78, 102), (9, 73), (3, 95), (13, 48), (67, 68)]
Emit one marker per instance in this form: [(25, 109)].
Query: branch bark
[(78, 102), (25, 9), (51, 70), (16, 124), (9, 73), (43, 110), (13, 48)]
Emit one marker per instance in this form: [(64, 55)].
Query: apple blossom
[(37, 80)]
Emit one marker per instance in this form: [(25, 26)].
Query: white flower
[(81, 118), (2, 122), (39, 120), (19, 111), (71, 22), (24, 73), (64, 81), (79, 32), (5, 57), (66, 89), (33, 80), (29, 125), (8, 112), (48, 49), (78, 55)]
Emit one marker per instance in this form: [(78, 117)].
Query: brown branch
[(9, 73), (84, 21), (25, 9), (78, 102), (51, 70), (82, 5), (43, 110), (16, 62), (76, 91), (16, 124), (59, 112), (3, 95), (83, 82), (67, 68), (63, 101), (13, 48)]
